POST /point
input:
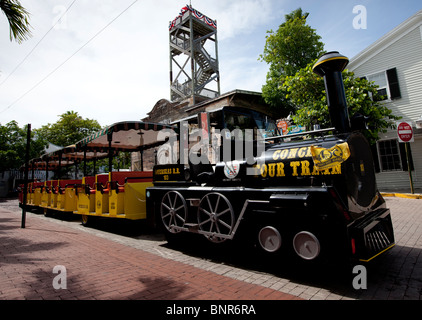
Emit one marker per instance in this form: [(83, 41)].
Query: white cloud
[(241, 17), (124, 71)]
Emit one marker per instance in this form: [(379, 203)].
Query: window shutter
[(404, 159), (393, 83)]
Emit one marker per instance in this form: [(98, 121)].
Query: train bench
[(66, 195), (123, 194)]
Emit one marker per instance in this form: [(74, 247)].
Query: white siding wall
[(405, 54)]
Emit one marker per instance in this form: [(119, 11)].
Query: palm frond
[(18, 18)]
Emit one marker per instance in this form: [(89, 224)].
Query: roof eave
[(398, 32)]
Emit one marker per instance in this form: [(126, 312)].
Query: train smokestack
[(330, 66)]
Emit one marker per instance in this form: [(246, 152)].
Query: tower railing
[(189, 33)]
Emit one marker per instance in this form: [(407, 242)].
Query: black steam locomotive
[(314, 197)]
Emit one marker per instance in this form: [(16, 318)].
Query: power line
[(58, 67), (30, 52)]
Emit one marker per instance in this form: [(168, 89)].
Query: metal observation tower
[(193, 56)]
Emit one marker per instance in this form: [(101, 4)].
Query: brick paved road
[(98, 268), (110, 262)]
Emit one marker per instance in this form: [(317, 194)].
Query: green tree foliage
[(288, 50), (13, 146), (69, 129), (18, 18), (306, 91), (293, 88)]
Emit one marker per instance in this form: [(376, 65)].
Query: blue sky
[(123, 71)]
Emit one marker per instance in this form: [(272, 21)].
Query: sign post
[(405, 135), (25, 188)]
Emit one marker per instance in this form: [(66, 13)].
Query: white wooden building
[(394, 63)]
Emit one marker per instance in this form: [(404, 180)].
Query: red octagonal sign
[(405, 132)]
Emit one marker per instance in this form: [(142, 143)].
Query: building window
[(387, 82), (380, 79), (391, 156)]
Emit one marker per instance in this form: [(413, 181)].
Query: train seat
[(122, 192), (119, 179)]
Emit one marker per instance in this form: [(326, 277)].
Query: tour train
[(313, 193)]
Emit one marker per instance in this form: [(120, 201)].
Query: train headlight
[(306, 245), (269, 239)]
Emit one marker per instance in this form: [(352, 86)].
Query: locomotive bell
[(330, 66)]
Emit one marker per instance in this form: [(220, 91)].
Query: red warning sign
[(405, 132)]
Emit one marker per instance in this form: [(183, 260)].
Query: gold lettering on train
[(280, 169), (167, 171), (294, 165), (271, 169), (292, 153), (263, 170), (303, 152), (305, 168), (284, 153), (299, 168)]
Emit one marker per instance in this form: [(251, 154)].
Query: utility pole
[(25, 189)]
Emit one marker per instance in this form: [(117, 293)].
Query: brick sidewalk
[(106, 263), (97, 268)]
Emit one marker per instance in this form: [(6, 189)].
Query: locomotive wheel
[(173, 211), (215, 214)]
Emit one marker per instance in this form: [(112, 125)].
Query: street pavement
[(56, 258)]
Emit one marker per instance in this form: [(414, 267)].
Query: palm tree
[(18, 18), (296, 14)]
